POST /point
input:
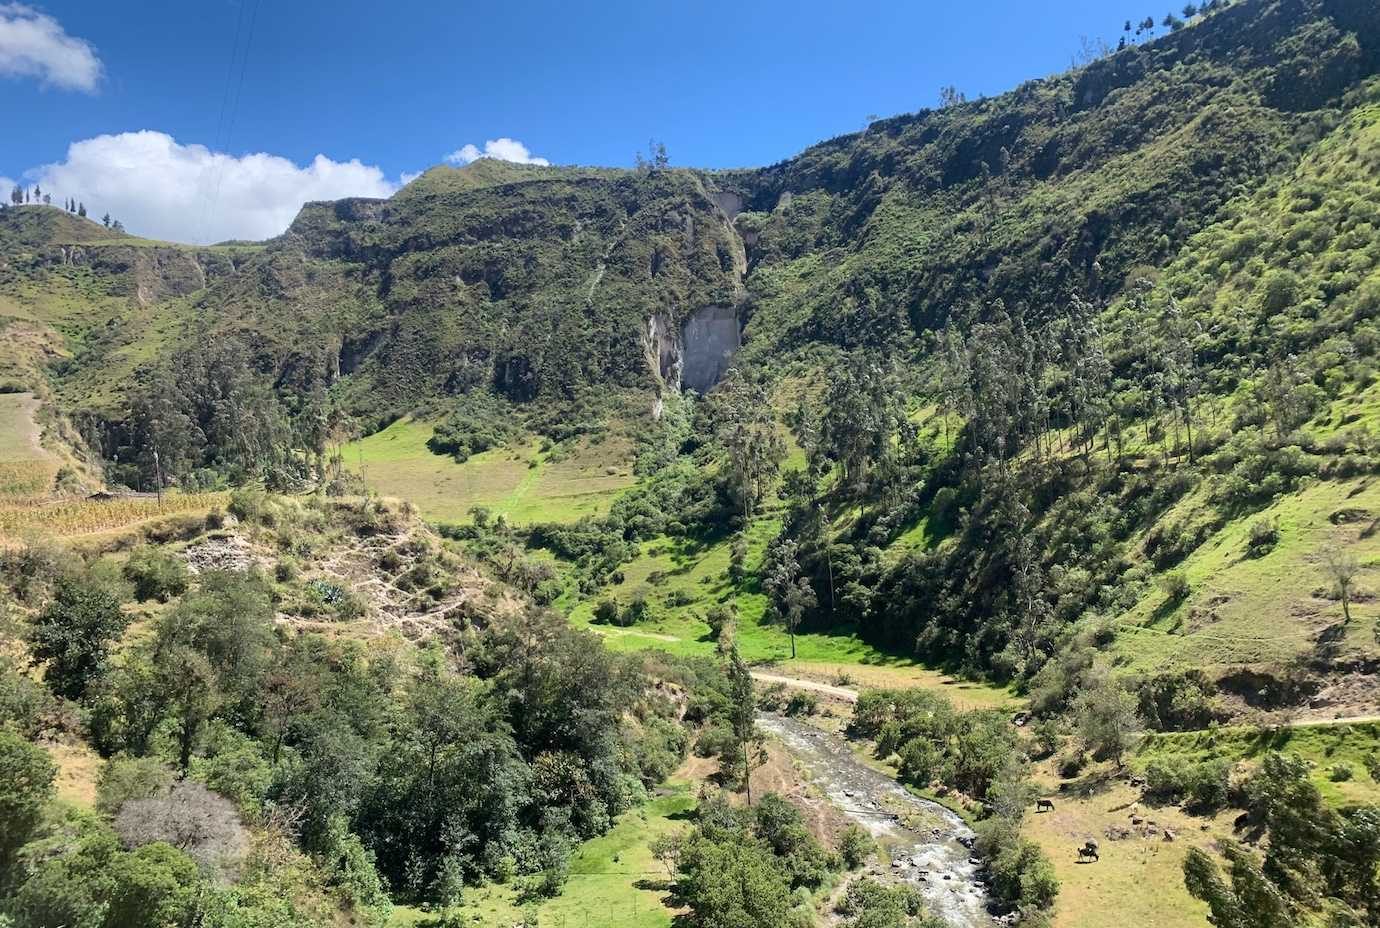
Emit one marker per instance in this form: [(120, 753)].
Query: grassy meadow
[(523, 483)]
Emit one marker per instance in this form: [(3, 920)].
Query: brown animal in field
[(1168, 835), (1089, 849), (1044, 805)]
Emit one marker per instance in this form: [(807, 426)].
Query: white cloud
[(187, 193), (504, 149), (33, 44)]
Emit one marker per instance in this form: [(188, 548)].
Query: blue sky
[(399, 86)]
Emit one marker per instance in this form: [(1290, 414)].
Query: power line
[(232, 103), (217, 137)]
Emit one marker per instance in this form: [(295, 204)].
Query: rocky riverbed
[(929, 845)]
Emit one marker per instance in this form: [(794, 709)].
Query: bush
[(478, 422), (1340, 773), (250, 505), (607, 612), (870, 904), (1177, 701), (770, 698), (1201, 785), (1262, 538), (1021, 873), (718, 618), (26, 784), (855, 846), (1175, 586), (802, 703), (74, 635), (25, 705), (1048, 733), (190, 817), (124, 779), (156, 574), (716, 741)]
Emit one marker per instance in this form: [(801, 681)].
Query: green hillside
[(1024, 451), (1037, 359)]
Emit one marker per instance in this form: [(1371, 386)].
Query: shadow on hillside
[(1328, 645), (1091, 784)]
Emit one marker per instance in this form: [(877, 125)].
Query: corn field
[(71, 518)]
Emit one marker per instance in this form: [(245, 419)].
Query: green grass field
[(524, 483), (614, 880), (1326, 745), (1270, 609)]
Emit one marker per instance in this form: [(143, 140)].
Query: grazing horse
[(1088, 850), (1044, 805)]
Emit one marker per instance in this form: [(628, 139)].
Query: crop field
[(525, 484), (83, 518)]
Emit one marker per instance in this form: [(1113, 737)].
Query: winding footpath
[(928, 843)]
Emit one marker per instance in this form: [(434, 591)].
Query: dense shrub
[(156, 574), (478, 422), (73, 636), (1201, 785), (1021, 873)]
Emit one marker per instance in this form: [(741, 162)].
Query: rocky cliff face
[(711, 337)]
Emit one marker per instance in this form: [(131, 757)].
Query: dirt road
[(838, 692)]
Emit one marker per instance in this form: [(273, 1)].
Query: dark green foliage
[(26, 784), (156, 574), (73, 636), (1177, 700), (732, 883), (1201, 785), (1262, 538), (476, 422), (869, 904), (1315, 857), (855, 846), (1249, 900), (126, 778), (1021, 873), (738, 868), (964, 750), (26, 706), (1105, 714)]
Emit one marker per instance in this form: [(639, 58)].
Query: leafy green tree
[(26, 785), (74, 634), (855, 846), (748, 432), (861, 417), (742, 716), (156, 574), (1248, 900), (1105, 714), (732, 883), (790, 591), (1342, 568)]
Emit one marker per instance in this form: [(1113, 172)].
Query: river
[(925, 839)]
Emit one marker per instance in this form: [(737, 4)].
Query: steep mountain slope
[(1058, 280)]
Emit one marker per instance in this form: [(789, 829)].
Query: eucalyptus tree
[(748, 432)]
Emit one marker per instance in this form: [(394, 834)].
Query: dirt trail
[(827, 689), (928, 843)]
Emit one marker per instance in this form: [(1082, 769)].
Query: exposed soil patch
[(221, 552)]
